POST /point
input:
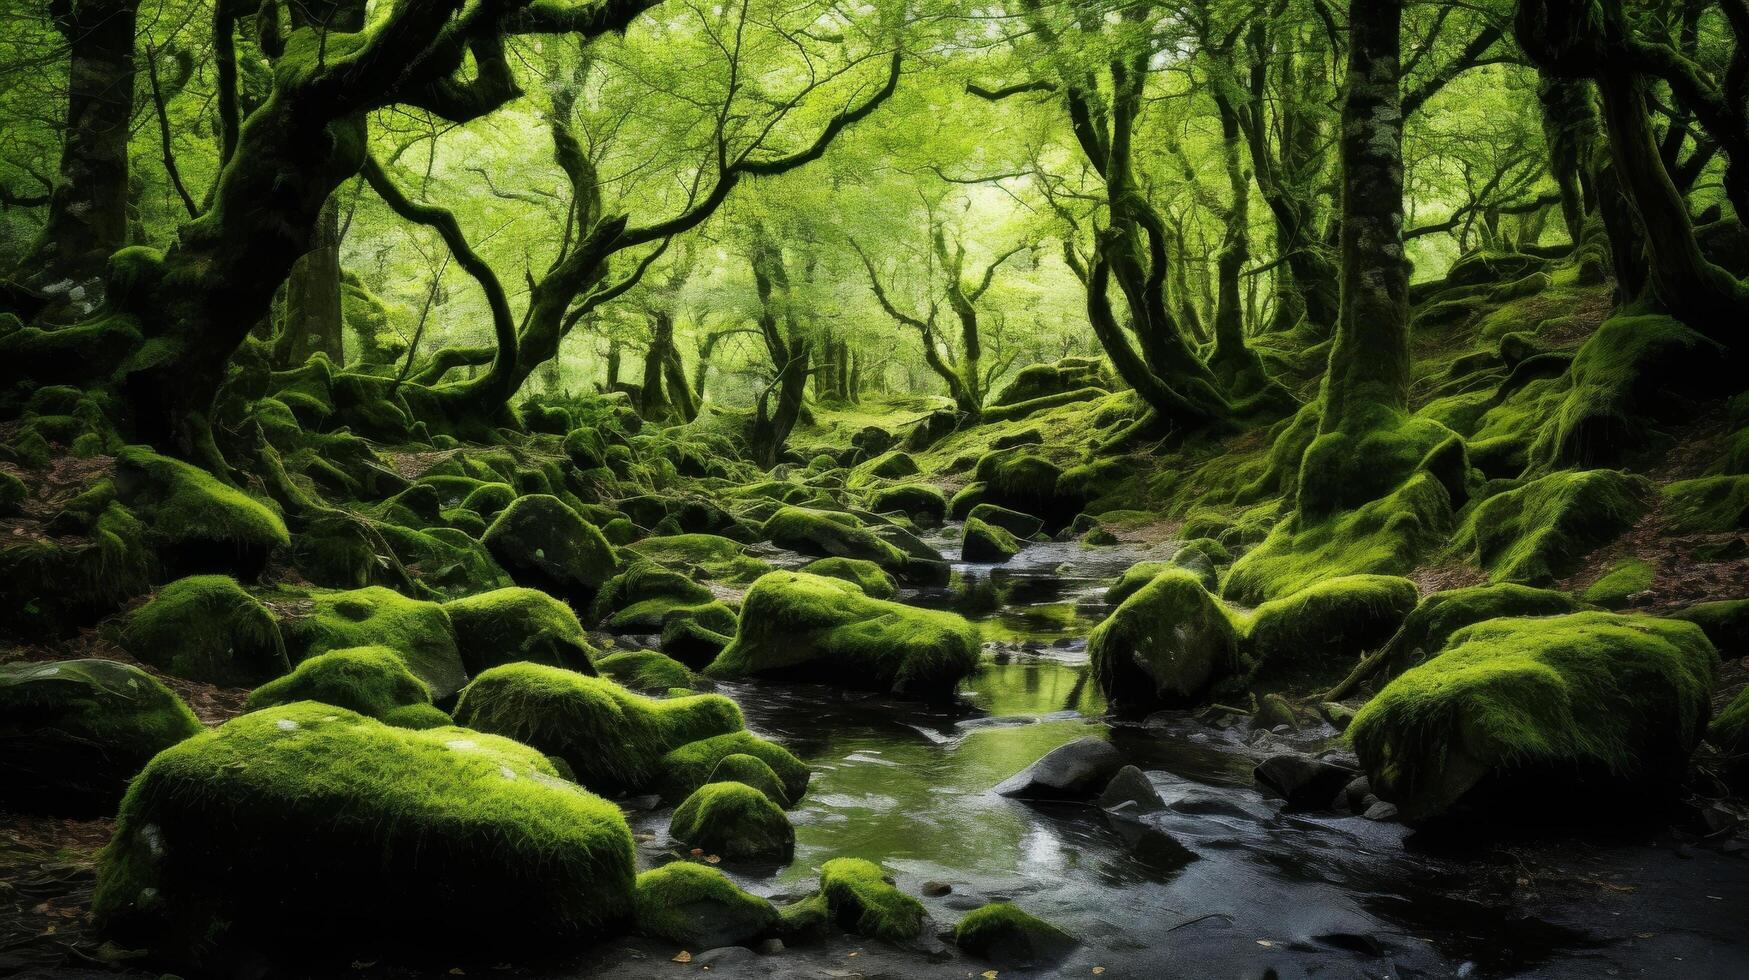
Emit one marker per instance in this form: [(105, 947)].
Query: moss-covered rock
[(734, 820), (698, 907), (1712, 503), (1003, 933), (859, 898), (752, 771), (1163, 646), (1725, 622), (1623, 580), (202, 524), (612, 739), (1020, 525), (865, 575), (647, 670), (647, 598), (1560, 719), (1316, 634), (1729, 732), (702, 555), (418, 630), (517, 624), (1537, 532), (206, 628), (445, 561), (50, 586), (980, 542), (1437, 616), (309, 827), (965, 499), (73, 733), (373, 681), (543, 544), (796, 626), (691, 765), (13, 493), (921, 503), (830, 534)]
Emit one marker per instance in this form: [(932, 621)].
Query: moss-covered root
[(1730, 733), (508, 625), (1007, 935), (543, 544), (1553, 719), (860, 898), (695, 763), (1164, 645), (373, 681), (698, 907), (73, 733), (734, 820), (311, 829), (202, 524), (796, 626), (1315, 635), (206, 628), (612, 739)]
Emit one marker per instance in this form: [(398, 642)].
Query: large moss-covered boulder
[(866, 575), (923, 504), (310, 828), (698, 907), (980, 542), (1007, 935), (72, 733), (206, 628), (1537, 533), (202, 524), (373, 681), (755, 772), (1164, 646), (859, 897), (517, 624), (1013, 521), (796, 626), (734, 820), (830, 534), (1436, 617), (696, 763), (1558, 719), (1316, 634), (647, 598), (419, 631), (702, 556), (544, 544), (613, 739)]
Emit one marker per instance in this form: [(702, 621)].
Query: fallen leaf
[(988, 975), (1265, 942), (683, 957), (697, 851), (1099, 969), (713, 859)]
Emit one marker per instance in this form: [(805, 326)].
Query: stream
[(1269, 893)]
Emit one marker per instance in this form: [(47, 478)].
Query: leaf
[(683, 957)]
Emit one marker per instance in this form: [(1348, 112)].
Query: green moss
[(887, 466), (1020, 479), (445, 561), (206, 525), (419, 631), (1314, 635), (1725, 622), (1132, 580), (646, 670), (1003, 932), (1538, 532), (1713, 503), (206, 628), (1730, 733), (74, 732), (1346, 469), (543, 544), (1164, 645), (489, 499), (1623, 579), (752, 771), (830, 534), (517, 624), (418, 717), (698, 907), (379, 837), (967, 497), (1516, 713), (918, 501), (49, 587), (372, 681), (734, 820), (646, 598), (982, 542), (797, 626), (1389, 536), (718, 558), (1441, 614), (692, 765), (13, 494), (866, 575), (859, 898), (613, 740)]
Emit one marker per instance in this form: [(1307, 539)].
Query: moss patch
[(1004, 933), (543, 544), (717, 557), (692, 765), (205, 525), (1314, 635), (206, 628), (1441, 614), (752, 771), (419, 631), (980, 542), (859, 898), (865, 575), (1713, 503), (647, 670), (1623, 579)]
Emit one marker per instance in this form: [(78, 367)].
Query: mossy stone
[(204, 525), (691, 765), (698, 907), (734, 820), (543, 544), (518, 624), (72, 733), (1729, 732), (707, 555), (1005, 934), (859, 898), (1724, 621), (1013, 521), (982, 542), (1315, 635), (206, 628), (647, 670), (866, 575), (1708, 504), (1437, 616), (13, 494), (1163, 646), (752, 771), (417, 630), (830, 534), (921, 503), (1622, 581), (310, 827), (1537, 532), (372, 681)]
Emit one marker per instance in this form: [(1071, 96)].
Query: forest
[(889, 488)]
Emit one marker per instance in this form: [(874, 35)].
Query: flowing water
[(908, 785)]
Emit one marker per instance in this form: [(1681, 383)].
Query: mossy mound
[(1133, 578), (830, 534), (1314, 635), (1437, 616), (1725, 622), (516, 624), (796, 626), (206, 628), (647, 598), (1623, 580), (865, 575), (1025, 481), (980, 542), (50, 587), (1007, 935), (309, 827), (647, 670), (444, 560), (921, 503), (859, 898), (612, 739), (202, 524), (419, 631), (73, 733), (734, 820), (704, 555), (693, 764), (1729, 732), (1552, 719), (698, 907), (1537, 532), (1713, 503), (1013, 521), (543, 544), (373, 681), (752, 771), (1163, 646)]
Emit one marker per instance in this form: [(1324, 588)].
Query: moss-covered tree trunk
[(312, 296), (780, 405)]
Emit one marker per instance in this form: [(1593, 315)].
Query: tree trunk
[(653, 405), (312, 296)]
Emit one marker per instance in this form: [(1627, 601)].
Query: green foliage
[(372, 681), (1538, 532), (734, 820), (206, 628)]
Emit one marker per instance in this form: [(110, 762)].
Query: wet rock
[(1007, 936), (936, 889), (1164, 645), (982, 542), (1381, 811), (698, 907), (1131, 792), (1338, 715), (771, 947), (723, 956), (1357, 795), (1151, 845), (1074, 771), (1305, 783), (1272, 712)]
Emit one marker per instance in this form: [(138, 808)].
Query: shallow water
[(907, 785)]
